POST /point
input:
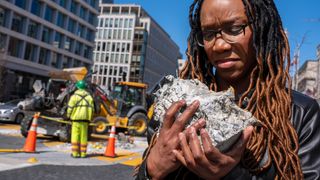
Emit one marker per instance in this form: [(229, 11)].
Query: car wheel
[(25, 125), (19, 118), (138, 124), (100, 125), (65, 133)]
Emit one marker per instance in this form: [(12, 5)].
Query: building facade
[(307, 78), (37, 36), (131, 46)]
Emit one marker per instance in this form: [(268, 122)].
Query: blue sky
[(298, 17)]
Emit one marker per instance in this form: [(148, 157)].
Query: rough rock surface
[(224, 119)]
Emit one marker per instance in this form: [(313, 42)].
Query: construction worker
[(80, 110)]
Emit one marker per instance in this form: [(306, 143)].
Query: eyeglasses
[(230, 34)]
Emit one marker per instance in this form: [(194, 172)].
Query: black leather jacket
[(306, 121)]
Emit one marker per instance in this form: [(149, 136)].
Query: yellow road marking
[(11, 150), (120, 156), (133, 161), (52, 143), (10, 126)]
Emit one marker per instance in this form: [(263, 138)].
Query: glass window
[(80, 29), (71, 25), (115, 33), (107, 22), (67, 44), (111, 23), (3, 40), (49, 14), (121, 23), (61, 20), (33, 29), (44, 56), (56, 60), (92, 19), (77, 63), (83, 12), (35, 7), (65, 62), (78, 48), (126, 23), (15, 46), (90, 35), (2, 17), (131, 23), (116, 23), (21, 3), (86, 51), (63, 3), (30, 52), (100, 22), (129, 34), (17, 23), (46, 33), (58, 40), (74, 7)]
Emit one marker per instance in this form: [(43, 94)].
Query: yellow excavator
[(125, 107)]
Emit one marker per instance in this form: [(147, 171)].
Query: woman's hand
[(209, 163), (161, 160)]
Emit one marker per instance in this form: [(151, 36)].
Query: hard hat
[(81, 84)]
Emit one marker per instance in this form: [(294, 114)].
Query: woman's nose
[(220, 46)]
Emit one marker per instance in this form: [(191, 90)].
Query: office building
[(38, 36), (131, 46)]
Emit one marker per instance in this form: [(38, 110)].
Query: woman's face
[(232, 53)]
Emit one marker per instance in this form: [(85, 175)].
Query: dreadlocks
[(269, 100)]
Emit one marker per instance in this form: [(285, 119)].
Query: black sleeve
[(307, 123), (142, 172)]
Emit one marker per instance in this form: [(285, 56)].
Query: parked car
[(10, 112)]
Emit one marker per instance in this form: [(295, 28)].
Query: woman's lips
[(225, 63)]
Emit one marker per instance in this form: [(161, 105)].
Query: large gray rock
[(224, 119)]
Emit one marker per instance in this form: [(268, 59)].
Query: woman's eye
[(208, 35), (235, 29)]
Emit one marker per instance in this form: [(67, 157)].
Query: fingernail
[(196, 103), (202, 122), (182, 102), (193, 131), (202, 131), (180, 136)]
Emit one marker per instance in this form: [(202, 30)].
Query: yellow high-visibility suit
[(80, 110)]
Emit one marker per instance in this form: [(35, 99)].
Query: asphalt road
[(67, 168), (59, 172)]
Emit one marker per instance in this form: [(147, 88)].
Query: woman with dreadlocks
[(239, 43)]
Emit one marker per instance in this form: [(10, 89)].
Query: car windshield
[(13, 102)]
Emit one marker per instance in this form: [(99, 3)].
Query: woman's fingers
[(195, 146), (211, 152), (237, 149), (170, 115), (179, 156), (180, 122), (201, 123), (187, 154)]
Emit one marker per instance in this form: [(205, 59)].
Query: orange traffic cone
[(110, 148), (30, 144)]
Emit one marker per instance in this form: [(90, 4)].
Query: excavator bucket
[(73, 74)]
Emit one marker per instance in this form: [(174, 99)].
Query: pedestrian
[(239, 43), (80, 110)]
